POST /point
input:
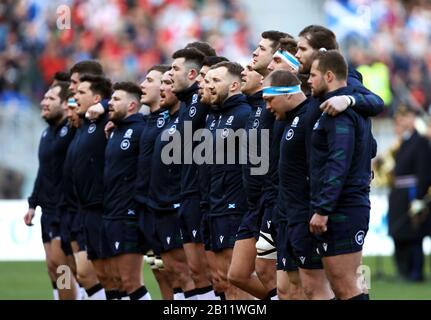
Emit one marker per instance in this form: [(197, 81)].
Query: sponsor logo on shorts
[(302, 258), (168, 240), (117, 245), (221, 239), (284, 261), (194, 232), (268, 223), (325, 246), (359, 237)]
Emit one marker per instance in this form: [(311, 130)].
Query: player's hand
[(318, 224), (335, 105), (29, 217), (108, 128), (94, 112)]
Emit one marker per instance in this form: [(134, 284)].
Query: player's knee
[(282, 291), (236, 277), (129, 282)]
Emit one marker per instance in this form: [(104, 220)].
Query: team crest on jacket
[(125, 144), (63, 131), (229, 120), (128, 134), (44, 133), (160, 122), (91, 128), (195, 98), (192, 111), (258, 112), (295, 122), (316, 125)]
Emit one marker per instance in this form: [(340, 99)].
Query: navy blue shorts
[(147, 226), (250, 224), (92, 220), (122, 236), (65, 227), (190, 215), (223, 231), (346, 232), (297, 243), (77, 230), (205, 231), (50, 224), (267, 223), (168, 231)]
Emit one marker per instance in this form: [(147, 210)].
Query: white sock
[(179, 294), (147, 296), (125, 298), (55, 294), (82, 294), (210, 295), (274, 298), (99, 295)]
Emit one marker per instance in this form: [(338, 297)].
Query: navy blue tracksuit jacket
[(340, 161), (193, 112), (121, 162), (47, 191), (226, 187)]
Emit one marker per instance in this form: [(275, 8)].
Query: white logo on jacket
[(125, 144), (128, 134), (91, 128)]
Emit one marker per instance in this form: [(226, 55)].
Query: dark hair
[(192, 55), (62, 76), (332, 60), (87, 66), (283, 78), (209, 61), (319, 37), (203, 47), (162, 68), (130, 87), (275, 37), (64, 89), (98, 84), (288, 44), (233, 68)]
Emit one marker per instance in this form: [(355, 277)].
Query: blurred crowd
[(127, 36), (389, 41)]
